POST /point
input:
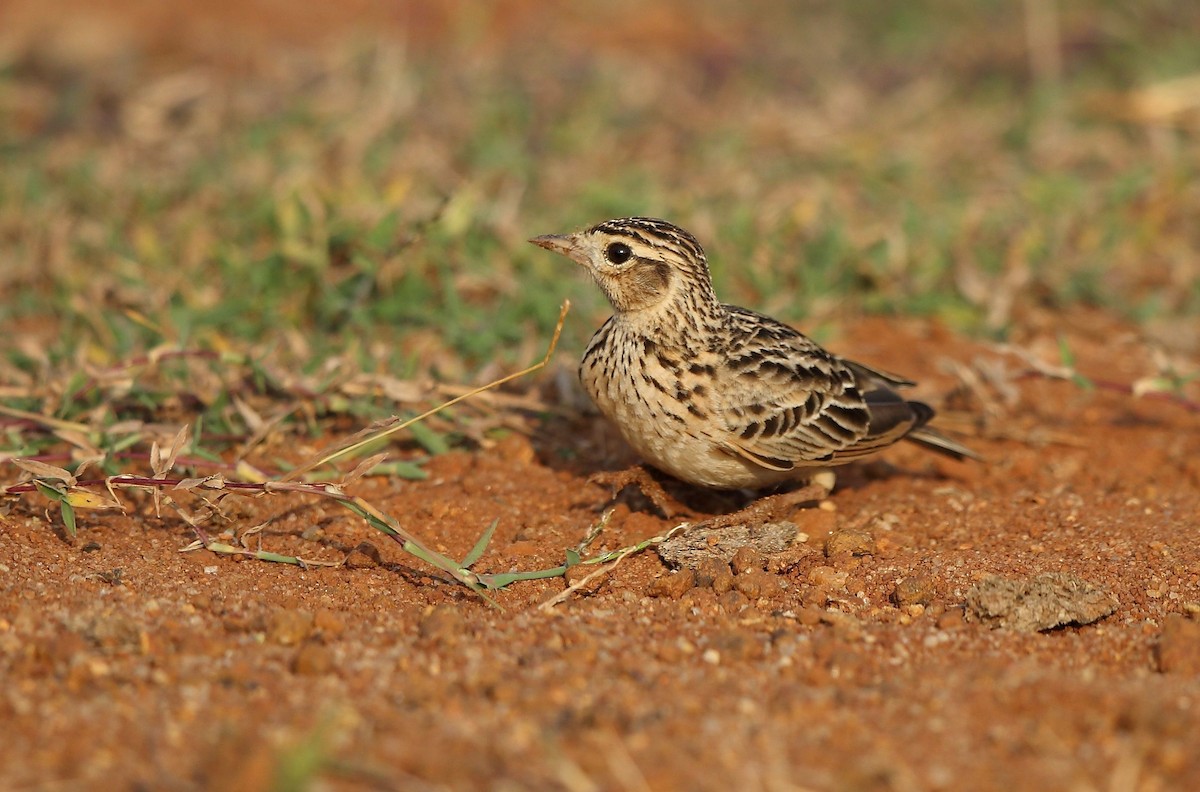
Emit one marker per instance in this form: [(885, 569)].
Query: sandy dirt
[(851, 659)]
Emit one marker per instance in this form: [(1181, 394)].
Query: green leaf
[(371, 519), (508, 578), (1068, 359), (264, 555), (68, 515), (430, 440), (401, 469), (51, 492), (480, 545)]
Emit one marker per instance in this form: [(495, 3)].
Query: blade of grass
[(480, 545)]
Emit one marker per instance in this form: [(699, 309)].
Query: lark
[(720, 396)]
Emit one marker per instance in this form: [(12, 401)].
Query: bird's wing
[(789, 403)]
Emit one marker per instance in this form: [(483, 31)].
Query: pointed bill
[(559, 243)]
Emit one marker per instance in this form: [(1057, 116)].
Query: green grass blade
[(480, 545)]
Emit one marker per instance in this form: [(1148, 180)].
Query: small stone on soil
[(688, 547), (289, 627), (1038, 603), (850, 542), (913, 590), (1178, 648), (715, 574), (442, 622), (673, 586), (313, 659), (756, 584), (747, 560)]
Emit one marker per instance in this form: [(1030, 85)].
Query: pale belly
[(666, 436)]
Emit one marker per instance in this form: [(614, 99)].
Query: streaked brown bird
[(717, 395)]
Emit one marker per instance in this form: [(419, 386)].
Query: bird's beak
[(559, 243)]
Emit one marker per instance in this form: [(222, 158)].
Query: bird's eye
[(618, 253)]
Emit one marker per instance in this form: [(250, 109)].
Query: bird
[(719, 396)]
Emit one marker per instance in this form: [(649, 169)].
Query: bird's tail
[(934, 440)]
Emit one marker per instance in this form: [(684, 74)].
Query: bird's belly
[(666, 435)]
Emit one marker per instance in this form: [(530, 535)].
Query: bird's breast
[(666, 404)]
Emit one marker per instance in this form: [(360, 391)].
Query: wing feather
[(789, 402)]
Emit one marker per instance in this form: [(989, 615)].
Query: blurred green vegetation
[(369, 201)]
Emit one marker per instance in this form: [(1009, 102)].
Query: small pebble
[(289, 627), (951, 619), (673, 586), (828, 577), (441, 623), (733, 602), (1178, 649), (850, 541), (747, 560), (715, 574), (913, 590), (313, 659), (328, 623), (757, 584)]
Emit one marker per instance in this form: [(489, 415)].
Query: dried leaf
[(181, 438), (189, 484), (87, 463), (42, 470), (254, 421), (363, 468)]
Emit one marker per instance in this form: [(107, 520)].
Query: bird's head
[(640, 263)]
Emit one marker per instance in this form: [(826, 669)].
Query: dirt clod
[(289, 627), (715, 574), (674, 585), (1178, 649), (442, 623), (328, 623), (913, 590), (313, 659), (1042, 602), (756, 584), (850, 542), (746, 560)]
